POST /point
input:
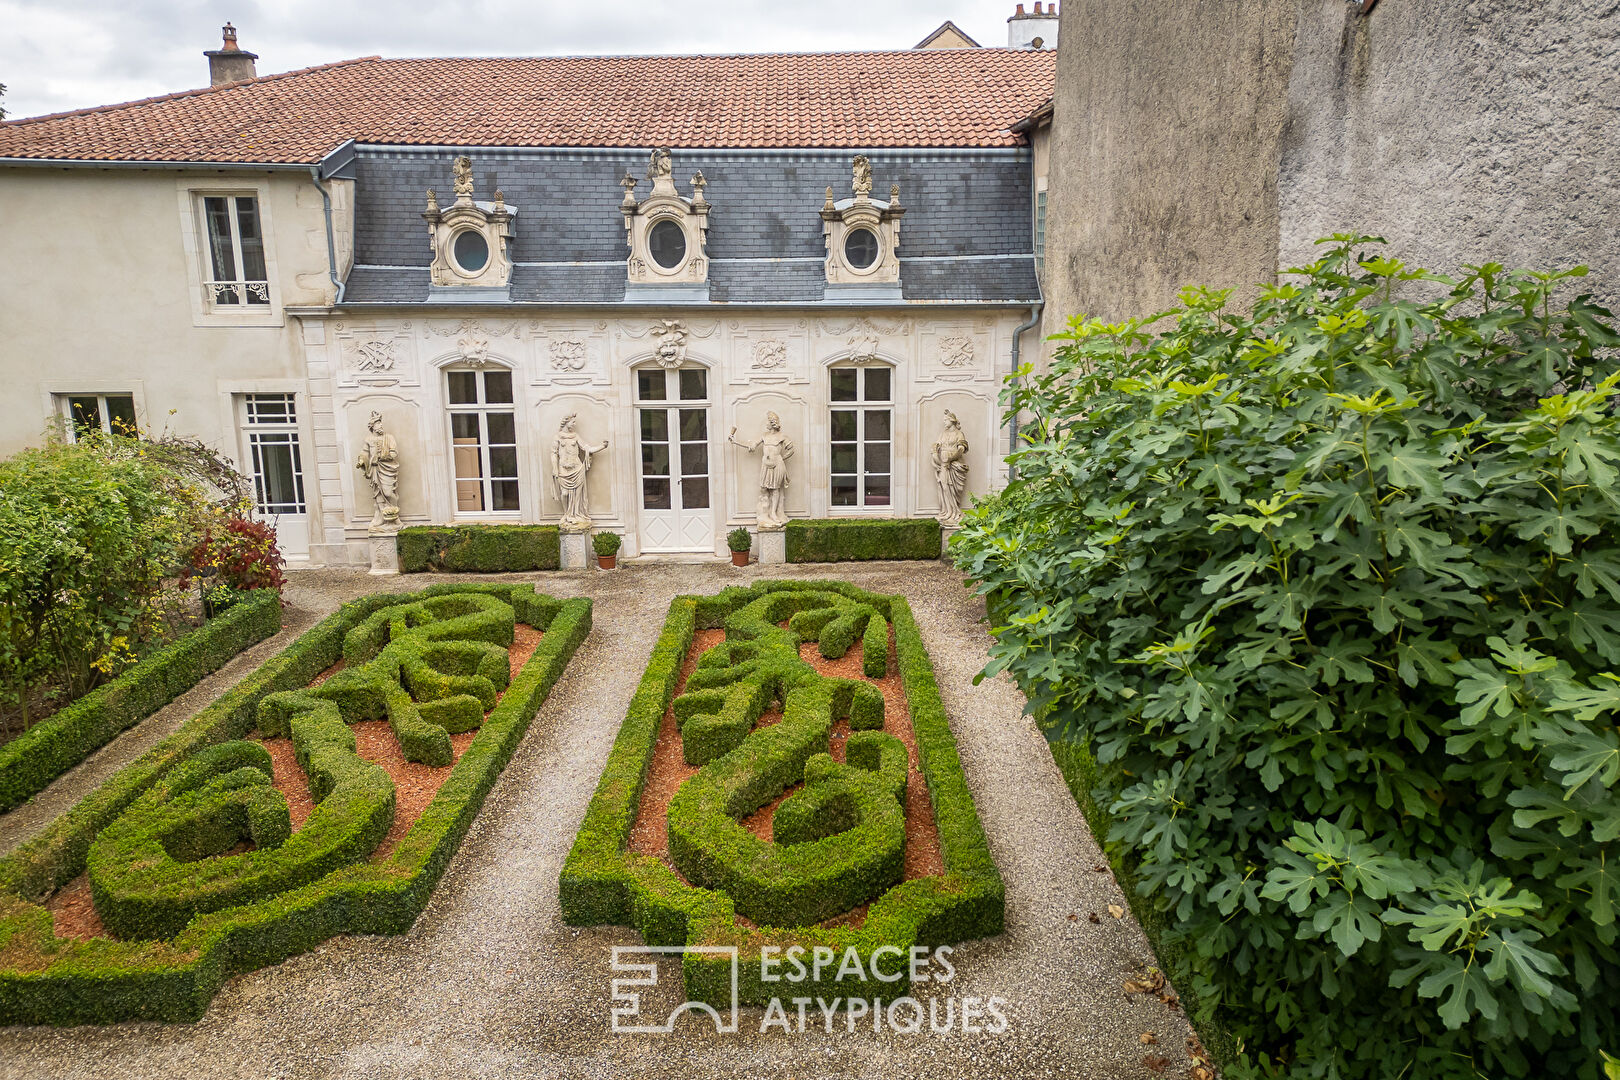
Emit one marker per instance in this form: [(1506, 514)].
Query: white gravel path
[(491, 983)]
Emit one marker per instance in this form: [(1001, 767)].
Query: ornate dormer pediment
[(667, 232), (470, 239), (863, 234)]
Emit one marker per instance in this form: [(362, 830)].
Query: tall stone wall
[(1210, 142)]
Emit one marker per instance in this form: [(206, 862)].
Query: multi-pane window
[(110, 414), (862, 436), (483, 441), (271, 421), (674, 438), (235, 252), (1040, 232)]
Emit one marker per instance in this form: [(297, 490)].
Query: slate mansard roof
[(966, 234), (959, 98)]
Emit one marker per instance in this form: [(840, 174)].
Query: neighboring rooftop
[(947, 36), (914, 98)]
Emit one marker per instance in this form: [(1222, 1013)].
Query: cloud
[(71, 54)]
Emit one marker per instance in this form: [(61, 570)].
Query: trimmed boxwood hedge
[(603, 883), (46, 980), (479, 549), (53, 746), (848, 539)]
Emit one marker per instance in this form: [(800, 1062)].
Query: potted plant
[(607, 549), (739, 541)]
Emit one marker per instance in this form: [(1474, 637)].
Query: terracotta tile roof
[(951, 97)]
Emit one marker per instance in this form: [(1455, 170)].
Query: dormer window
[(863, 240), (667, 233), (470, 242)]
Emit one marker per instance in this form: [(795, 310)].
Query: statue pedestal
[(771, 545), (945, 534), (576, 549), (384, 549)]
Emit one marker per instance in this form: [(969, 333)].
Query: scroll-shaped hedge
[(839, 840), (152, 835)]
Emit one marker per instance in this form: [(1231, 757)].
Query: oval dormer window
[(471, 251), (667, 242), (861, 248)]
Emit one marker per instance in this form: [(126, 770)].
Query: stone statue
[(464, 179), (950, 470), (379, 464), (661, 165), (773, 473), (570, 463), (863, 175)]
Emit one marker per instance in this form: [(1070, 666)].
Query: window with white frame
[(237, 279), (271, 422), (483, 441), (1040, 231), (862, 436), (110, 414)]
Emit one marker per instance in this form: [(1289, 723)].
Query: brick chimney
[(228, 63), (1033, 30)]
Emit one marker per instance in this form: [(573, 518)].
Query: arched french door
[(674, 450)]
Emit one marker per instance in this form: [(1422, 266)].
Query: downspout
[(1018, 333), (331, 243)]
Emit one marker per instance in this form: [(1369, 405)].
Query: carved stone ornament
[(956, 351), (481, 258), (868, 260), (379, 465), (568, 354), (671, 348), (770, 354), (374, 355), (474, 349), (684, 262), (863, 349)]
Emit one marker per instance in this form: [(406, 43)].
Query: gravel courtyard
[(491, 983)]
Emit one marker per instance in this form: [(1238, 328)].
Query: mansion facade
[(582, 291)]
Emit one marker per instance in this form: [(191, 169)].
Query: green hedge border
[(47, 980), (56, 744), (853, 539), (603, 884), (478, 549)]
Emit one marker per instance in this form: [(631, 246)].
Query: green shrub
[(606, 543), (739, 540), (847, 539), (44, 980), (843, 832), (1331, 590), (479, 549), (50, 748)]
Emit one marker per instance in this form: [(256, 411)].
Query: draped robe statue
[(570, 464), (950, 469), (379, 464)]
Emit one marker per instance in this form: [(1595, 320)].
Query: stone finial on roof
[(698, 184), (464, 178), (629, 185), (863, 176)]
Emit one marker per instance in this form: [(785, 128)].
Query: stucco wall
[(98, 297), (1168, 120), (1210, 142), (1460, 130)]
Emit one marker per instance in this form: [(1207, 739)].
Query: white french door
[(275, 458), (672, 434)]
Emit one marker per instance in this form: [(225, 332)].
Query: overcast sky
[(70, 54)]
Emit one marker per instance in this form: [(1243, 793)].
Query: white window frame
[(239, 290), (284, 431), (861, 406), (62, 403), (482, 410), (199, 261)]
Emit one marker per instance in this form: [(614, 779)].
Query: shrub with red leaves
[(243, 554)]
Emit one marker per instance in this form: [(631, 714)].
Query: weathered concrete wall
[(1210, 142), (1166, 137), (1461, 130)]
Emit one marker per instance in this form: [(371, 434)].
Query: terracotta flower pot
[(739, 558), (607, 562)]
